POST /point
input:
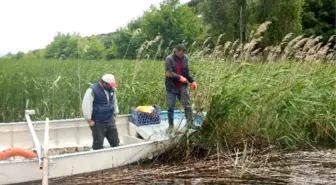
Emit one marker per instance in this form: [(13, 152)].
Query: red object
[(17, 152), (113, 84), (179, 71), (194, 86)]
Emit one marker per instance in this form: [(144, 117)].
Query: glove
[(182, 79), (194, 86)]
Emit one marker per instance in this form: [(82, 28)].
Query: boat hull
[(137, 143), (83, 162), (62, 133)]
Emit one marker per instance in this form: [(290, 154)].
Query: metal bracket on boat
[(33, 133)]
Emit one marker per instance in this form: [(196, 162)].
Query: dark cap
[(180, 47)]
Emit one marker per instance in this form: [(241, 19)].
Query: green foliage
[(94, 48), (173, 22), (224, 17), (71, 46), (19, 55), (243, 101), (63, 46), (259, 102), (9, 55), (318, 18), (135, 24), (30, 55), (83, 46), (125, 43), (284, 15)]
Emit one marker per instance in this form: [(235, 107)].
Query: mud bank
[(269, 167)]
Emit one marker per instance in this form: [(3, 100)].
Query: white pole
[(45, 154), (33, 133)]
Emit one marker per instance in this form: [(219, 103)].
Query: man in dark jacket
[(177, 76), (100, 109)]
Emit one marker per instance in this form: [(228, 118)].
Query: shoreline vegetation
[(284, 103)]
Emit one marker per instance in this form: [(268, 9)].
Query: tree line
[(197, 24)]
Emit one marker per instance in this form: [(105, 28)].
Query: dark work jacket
[(102, 111), (170, 73)]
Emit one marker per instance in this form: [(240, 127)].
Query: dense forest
[(200, 24)]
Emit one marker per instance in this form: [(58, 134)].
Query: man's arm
[(169, 70), (116, 108), (189, 77), (87, 104)]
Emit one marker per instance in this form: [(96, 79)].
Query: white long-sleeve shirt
[(87, 104)]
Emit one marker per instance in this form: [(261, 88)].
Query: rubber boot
[(188, 115), (170, 122)]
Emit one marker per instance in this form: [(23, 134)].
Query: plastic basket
[(142, 118)]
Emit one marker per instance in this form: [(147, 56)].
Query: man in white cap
[(100, 109)]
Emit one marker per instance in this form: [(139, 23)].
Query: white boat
[(136, 143)]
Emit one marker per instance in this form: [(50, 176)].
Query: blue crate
[(142, 118)]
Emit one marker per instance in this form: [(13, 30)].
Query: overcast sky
[(32, 24)]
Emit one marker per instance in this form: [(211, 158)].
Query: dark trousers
[(182, 94), (102, 130)]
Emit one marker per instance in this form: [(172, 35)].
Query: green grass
[(291, 103), (287, 103), (37, 81)]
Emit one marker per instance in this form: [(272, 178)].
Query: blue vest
[(102, 110)]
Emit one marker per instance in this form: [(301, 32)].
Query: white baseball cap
[(109, 78)]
